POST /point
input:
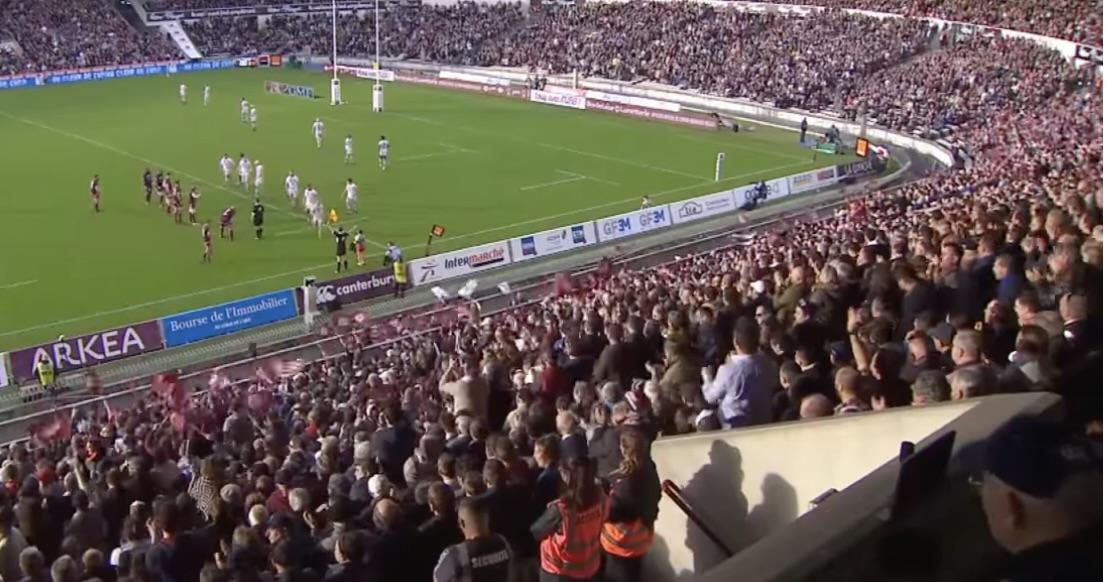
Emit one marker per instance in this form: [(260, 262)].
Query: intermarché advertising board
[(89, 350)]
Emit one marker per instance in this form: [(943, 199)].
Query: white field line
[(124, 153), (601, 180), (552, 183), (163, 300), (556, 147), (19, 284), (662, 193)]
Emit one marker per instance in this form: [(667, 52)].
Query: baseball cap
[(943, 332), (279, 521), (1036, 456)]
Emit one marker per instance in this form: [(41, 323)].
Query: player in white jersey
[(259, 177), (244, 171), (383, 152), (311, 199), (349, 149), (244, 110), (227, 165), (183, 90), (317, 130), (351, 195), (253, 118), (292, 187), (207, 94)]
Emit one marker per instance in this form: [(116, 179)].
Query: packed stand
[(1076, 20), (958, 84), (458, 33), (67, 34), (983, 280)]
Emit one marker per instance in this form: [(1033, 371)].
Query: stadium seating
[(981, 280), (67, 34)]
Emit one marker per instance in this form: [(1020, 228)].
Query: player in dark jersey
[(227, 223), (206, 234), (159, 182), (148, 184), (194, 198), (341, 264), (94, 192), (177, 202), (257, 216)]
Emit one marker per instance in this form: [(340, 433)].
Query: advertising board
[(360, 287), (702, 207), (459, 263), (209, 322), (553, 241), (632, 223), (88, 350), (683, 118), (778, 188), (560, 99)]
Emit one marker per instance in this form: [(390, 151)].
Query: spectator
[(483, 556), (743, 387)]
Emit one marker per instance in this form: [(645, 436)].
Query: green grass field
[(487, 168)]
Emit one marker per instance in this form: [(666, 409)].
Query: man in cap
[(1041, 493)]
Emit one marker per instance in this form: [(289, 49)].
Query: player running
[(244, 110), (206, 235), (311, 199), (253, 118), (183, 90), (244, 171), (349, 150), (227, 223), (227, 165), (257, 216), (351, 195), (207, 94), (317, 130), (383, 153), (341, 264), (645, 203), (194, 198), (359, 247), (94, 192), (148, 184), (259, 177), (292, 187), (317, 218)]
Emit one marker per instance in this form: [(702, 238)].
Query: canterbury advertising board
[(460, 263), (633, 223), (516, 92), (575, 101), (702, 207), (644, 102), (474, 78), (554, 241)]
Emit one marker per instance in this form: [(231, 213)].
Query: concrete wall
[(748, 483)]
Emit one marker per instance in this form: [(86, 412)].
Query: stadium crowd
[(1075, 20), (478, 447), (453, 33), (64, 34)]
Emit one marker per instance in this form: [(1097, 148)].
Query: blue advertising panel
[(122, 72), (209, 322)]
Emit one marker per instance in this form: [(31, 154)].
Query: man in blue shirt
[(743, 387)]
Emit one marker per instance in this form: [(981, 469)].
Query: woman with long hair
[(569, 530), (635, 492)]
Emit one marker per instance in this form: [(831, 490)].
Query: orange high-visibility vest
[(574, 550), (627, 540)]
